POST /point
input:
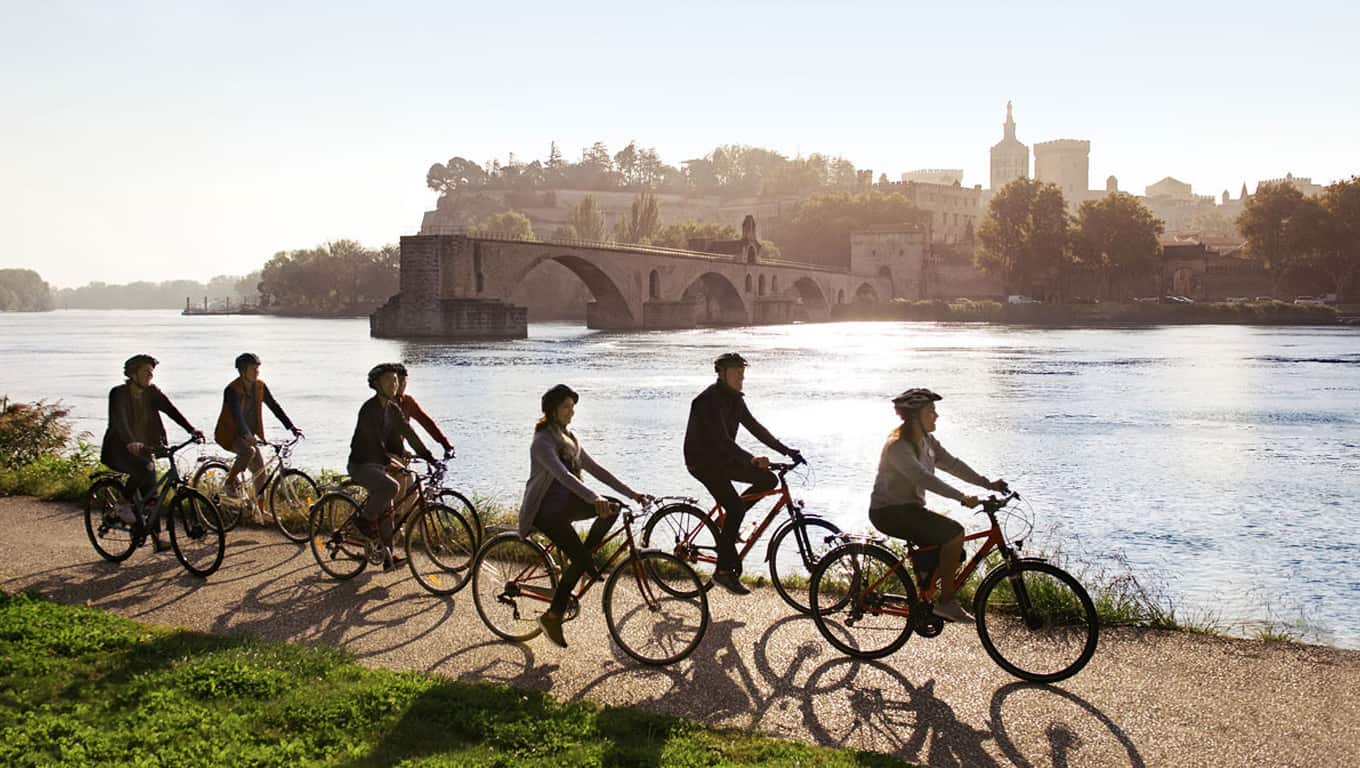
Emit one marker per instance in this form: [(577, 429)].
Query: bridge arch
[(610, 305), (866, 293), (720, 301), (815, 306)]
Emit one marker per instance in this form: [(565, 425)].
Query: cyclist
[(412, 410), (713, 457), (555, 497), (376, 455), (906, 470), (135, 430), (240, 425)]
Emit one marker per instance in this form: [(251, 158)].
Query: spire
[(1010, 122), (1244, 191)]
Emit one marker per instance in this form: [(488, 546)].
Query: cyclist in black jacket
[(713, 457)]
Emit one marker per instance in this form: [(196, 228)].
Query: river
[(1221, 464)]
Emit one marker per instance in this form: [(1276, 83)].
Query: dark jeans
[(718, 480), (141, 472), (556, 513)]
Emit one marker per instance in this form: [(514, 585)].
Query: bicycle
[(1034, 619), (291, 491), (438, 542), (654, 603), (443, 495), (117, 524), (794, 548)]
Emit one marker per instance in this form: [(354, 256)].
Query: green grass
[(80, 687)]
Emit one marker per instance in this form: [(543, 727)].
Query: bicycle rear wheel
[(686, 532), (440, 547), (513, 582), (794, 551), (1036, 621), (862, 600), (110, 521), (210, 480), (656, 608), (291, 496), (196, 532), (338, 547)]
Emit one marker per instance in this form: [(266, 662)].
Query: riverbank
[(1111, 314)]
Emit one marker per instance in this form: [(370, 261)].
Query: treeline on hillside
[(23, 290), (336, 278), (168, 294)]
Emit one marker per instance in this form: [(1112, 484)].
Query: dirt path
[(1146, 699)]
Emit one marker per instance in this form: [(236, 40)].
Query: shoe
[(393, 562), (730, 581), (952, 611), (552, 629), (157, 546)]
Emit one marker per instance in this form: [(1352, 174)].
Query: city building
[(1067, 164), (935, 175), (895, 252), (1010, 158), (1301, 183), (953, 208)]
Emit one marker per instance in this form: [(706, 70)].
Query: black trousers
[(718, 480), (558, 510), (140, 470)]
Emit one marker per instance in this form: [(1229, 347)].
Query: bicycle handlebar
[(162, 451)]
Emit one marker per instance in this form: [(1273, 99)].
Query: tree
[(644, 219), (1339, 255), (626, 161), (23, 290), (511, 225), (1281, 229), (1116, 236), (820, 230), (456, 175), (678, 234), (588, 220), (1024, 236)]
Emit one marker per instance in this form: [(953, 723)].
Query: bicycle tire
[(207, 482), (464, 507), (196, 533), (685, 531), (339, 549), (672, 621), (843, 578), (112, 537), (1032, 618), (291, 496), (440, 548), (783, 578), (507, 567)]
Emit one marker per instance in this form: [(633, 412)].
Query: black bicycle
[(118, 521), (291, 492)]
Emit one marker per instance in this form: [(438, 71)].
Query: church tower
[(1010, 158)]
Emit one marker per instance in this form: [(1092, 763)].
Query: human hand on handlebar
[(198, 436), (797, 456), (604, 507), (970, 501), (999, 485), (297, 432), (642, 498)]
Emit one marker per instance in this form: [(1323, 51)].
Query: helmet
[(378, 370), (246, 358), (729, 360), (913, 399), (555, 396), (400, 369), (137, 361)]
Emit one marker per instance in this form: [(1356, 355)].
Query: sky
[(177, 140)]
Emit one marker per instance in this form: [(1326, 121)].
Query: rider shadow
[(1061, 739), (497, 662), (146, 582)]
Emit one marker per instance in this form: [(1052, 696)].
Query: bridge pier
[(600, 317), (774, 311), (671, 314)]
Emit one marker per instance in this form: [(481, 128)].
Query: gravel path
[(1147, 699)]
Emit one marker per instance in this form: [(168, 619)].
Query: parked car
[(1237, 300), (1177, 300), (1309, 300), (1084, 300), (1148, 300), (1017, 298), (1265, 298)]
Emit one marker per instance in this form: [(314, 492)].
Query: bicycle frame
[(588, 580), (274, 466), (718, 516)]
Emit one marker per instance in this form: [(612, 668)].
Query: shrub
[(29, 430)]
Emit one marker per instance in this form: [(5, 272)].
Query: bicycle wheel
[(656, 609), (196, 533), (465, 508), (210, 480), (512, 584), (291, 496), (339, 548), (440, 547), (1036, 621), (110, 521), (862, 600), (686, 532), (794, 551)]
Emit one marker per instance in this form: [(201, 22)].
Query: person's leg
[(951, 553), (381, 490), (555, 521), (760, 480), (734, 510)]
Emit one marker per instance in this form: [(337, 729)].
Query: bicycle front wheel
[(1036, 621), (440, 546), (211, 480), (467, 510), (862, 600), (656, 608), (794, 552), (512, 585), (338, 547), (686, 532), (291, 496), (196, 532), (110, 521)]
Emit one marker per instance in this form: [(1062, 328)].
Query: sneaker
[(730, 581), (393, 562), (952, 611), (552, 629)]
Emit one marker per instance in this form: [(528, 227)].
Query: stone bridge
[(459, 286)]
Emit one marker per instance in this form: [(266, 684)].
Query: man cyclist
[(135, 431), (906, 470), (376, 455), (240, 425), (713, 457)]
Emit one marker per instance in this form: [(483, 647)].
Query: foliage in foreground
[(80, 687), (35, 454)]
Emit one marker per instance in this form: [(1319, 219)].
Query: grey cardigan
[(546, 465)]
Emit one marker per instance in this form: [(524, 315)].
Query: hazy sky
[(167, 140)]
